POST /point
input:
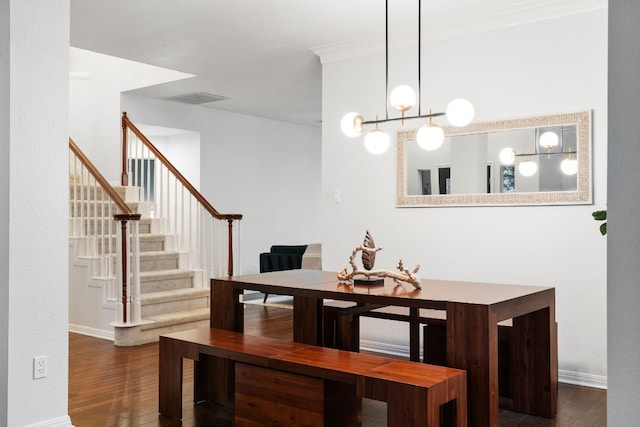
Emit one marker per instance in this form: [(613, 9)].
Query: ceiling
[(255, 52)]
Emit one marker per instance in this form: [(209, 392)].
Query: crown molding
[(517, 13)]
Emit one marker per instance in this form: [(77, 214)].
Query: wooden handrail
[(126, 123), (99, 178)]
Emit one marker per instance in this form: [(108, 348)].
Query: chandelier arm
[(393, 119)]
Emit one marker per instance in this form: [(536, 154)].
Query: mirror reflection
[(540, 160), (527, 160)]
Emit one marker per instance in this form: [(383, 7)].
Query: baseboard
[(564, 376), (579, 378), (252, 295), (63, 421), (386, 348), (92, 332)]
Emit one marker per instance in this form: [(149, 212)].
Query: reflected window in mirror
[(538, 160)]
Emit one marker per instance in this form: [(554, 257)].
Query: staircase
[(173, 298), (141, 260)]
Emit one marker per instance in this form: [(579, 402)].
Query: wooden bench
[(342, 324), (285, 383), (341, 329)]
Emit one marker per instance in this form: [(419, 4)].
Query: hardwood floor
[(118, 386)]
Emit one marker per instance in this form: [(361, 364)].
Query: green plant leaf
[(600, 215), (603, 229)]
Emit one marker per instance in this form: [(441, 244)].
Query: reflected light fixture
[(459, 112), (549, 140), (528, 167), (507, 156), (569, 166)]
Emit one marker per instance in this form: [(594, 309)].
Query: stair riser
[(96, 209), (157, 285), (151, 245), (155, 264), (91, 209), (101, 225), (175, 306), (86, 193)]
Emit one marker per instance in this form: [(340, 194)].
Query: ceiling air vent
[(197, 98)]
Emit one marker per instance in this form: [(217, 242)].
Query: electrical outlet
[(39, 367)]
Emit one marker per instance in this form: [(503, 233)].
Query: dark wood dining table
[(473, 311)]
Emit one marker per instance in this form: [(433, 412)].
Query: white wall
[(624, 204), (266, 170), (34, 213), (95, 84), (553, 66), (180, 147)]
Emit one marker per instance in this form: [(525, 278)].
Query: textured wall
[(623, 322), (35, 211)]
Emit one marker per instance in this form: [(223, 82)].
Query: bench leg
[(348, 332), (213, 380), (341, 329), (299, 399), (435, 344), (329, 326)]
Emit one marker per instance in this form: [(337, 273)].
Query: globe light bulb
[(569, 166), (351, 124), (528, 168), (549, 140), (460, 112), (376, 141), (430, 137), (507, 156), (402, 98)]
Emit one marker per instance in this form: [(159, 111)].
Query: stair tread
[(173, 295), (165, 274), (149, 236), (177, 317)]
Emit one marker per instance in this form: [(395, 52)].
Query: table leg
[(535, 371), (226, 310), (170, 380), (215, 377), (307, 320), (472, 345)]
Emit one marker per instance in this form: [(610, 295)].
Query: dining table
[(472, 312)]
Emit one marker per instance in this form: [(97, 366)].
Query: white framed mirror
[(543, 160)]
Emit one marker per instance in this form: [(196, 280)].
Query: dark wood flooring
[(118, 386)]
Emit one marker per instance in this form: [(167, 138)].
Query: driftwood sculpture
[(369, 250)]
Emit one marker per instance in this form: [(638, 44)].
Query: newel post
[(124, 236)]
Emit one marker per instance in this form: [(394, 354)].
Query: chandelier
[(548, 139), (430, 136)]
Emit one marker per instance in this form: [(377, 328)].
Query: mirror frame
[(581, 196)]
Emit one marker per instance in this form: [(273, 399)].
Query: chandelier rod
[(419, 53), (386, 58), (393, 119)]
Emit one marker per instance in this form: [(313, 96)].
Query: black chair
[(281, 257)]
